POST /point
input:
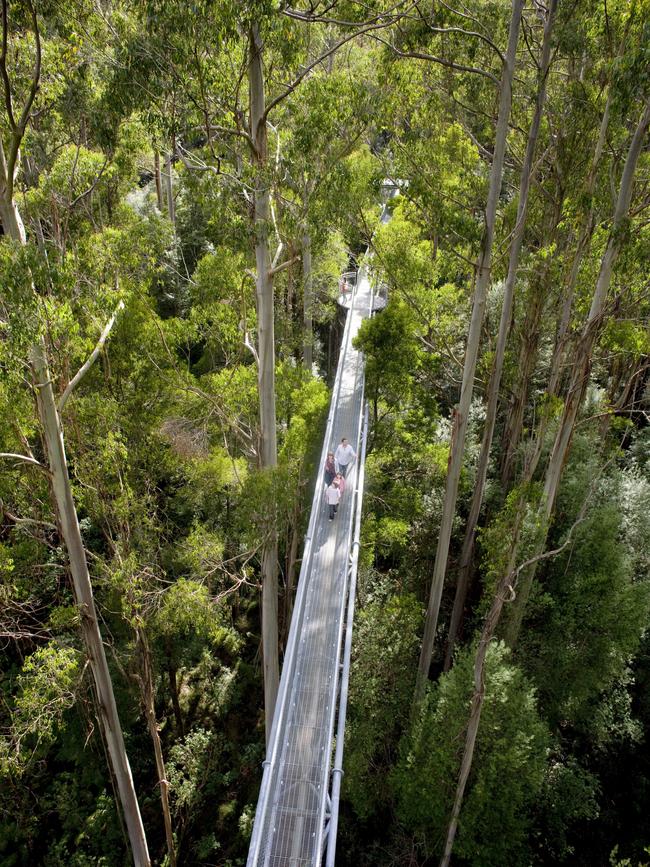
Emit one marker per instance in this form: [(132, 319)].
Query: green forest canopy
[(176, 177)]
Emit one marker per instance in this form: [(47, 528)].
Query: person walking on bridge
[(344, 456), (330, 469), (333, 497)]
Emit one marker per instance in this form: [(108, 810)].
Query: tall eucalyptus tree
[(461, 412), (504, 328), (49, 413)]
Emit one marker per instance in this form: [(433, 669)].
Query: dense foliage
[(130, 155)]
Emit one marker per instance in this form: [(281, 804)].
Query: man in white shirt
[(344, 457)]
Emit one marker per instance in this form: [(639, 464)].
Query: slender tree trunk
[(292, 560), (583, 358), (504, 593), (582, 248), (173, 691), (526, 363), (476, 708), (147, 689), (308, 325), (266, 366), (158, 179), (67, 516), (461, 412), (467, 554), (514, 423), (169, 189), (587, 229)]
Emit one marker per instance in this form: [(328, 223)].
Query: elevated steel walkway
[(297, 810)]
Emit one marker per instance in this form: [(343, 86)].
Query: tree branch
[(289, 89), (36, 74), (3, 68), (461, 30), (5, 513), (225, 130), (87, 192), (251, 347), (17, 129), (419, 55), (284, 265), (312, 18), (83, 370), (11, 456)]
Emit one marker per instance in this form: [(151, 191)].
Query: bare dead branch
[(11, 456), (83, 370)]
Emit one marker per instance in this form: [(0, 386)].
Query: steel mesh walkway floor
[(291, 821)]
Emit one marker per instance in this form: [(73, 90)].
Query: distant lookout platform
[(347, 284)]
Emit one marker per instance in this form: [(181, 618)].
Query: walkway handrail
[(296, 619), (337, 770), (321, 827)]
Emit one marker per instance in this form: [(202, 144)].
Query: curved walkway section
[(293, 809)]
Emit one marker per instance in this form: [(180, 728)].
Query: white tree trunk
[(69, 525), (158, 180), (266, 367), (461, 412), (169, 189), (504, 328)]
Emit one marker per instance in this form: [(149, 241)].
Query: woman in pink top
[(330, 469)]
